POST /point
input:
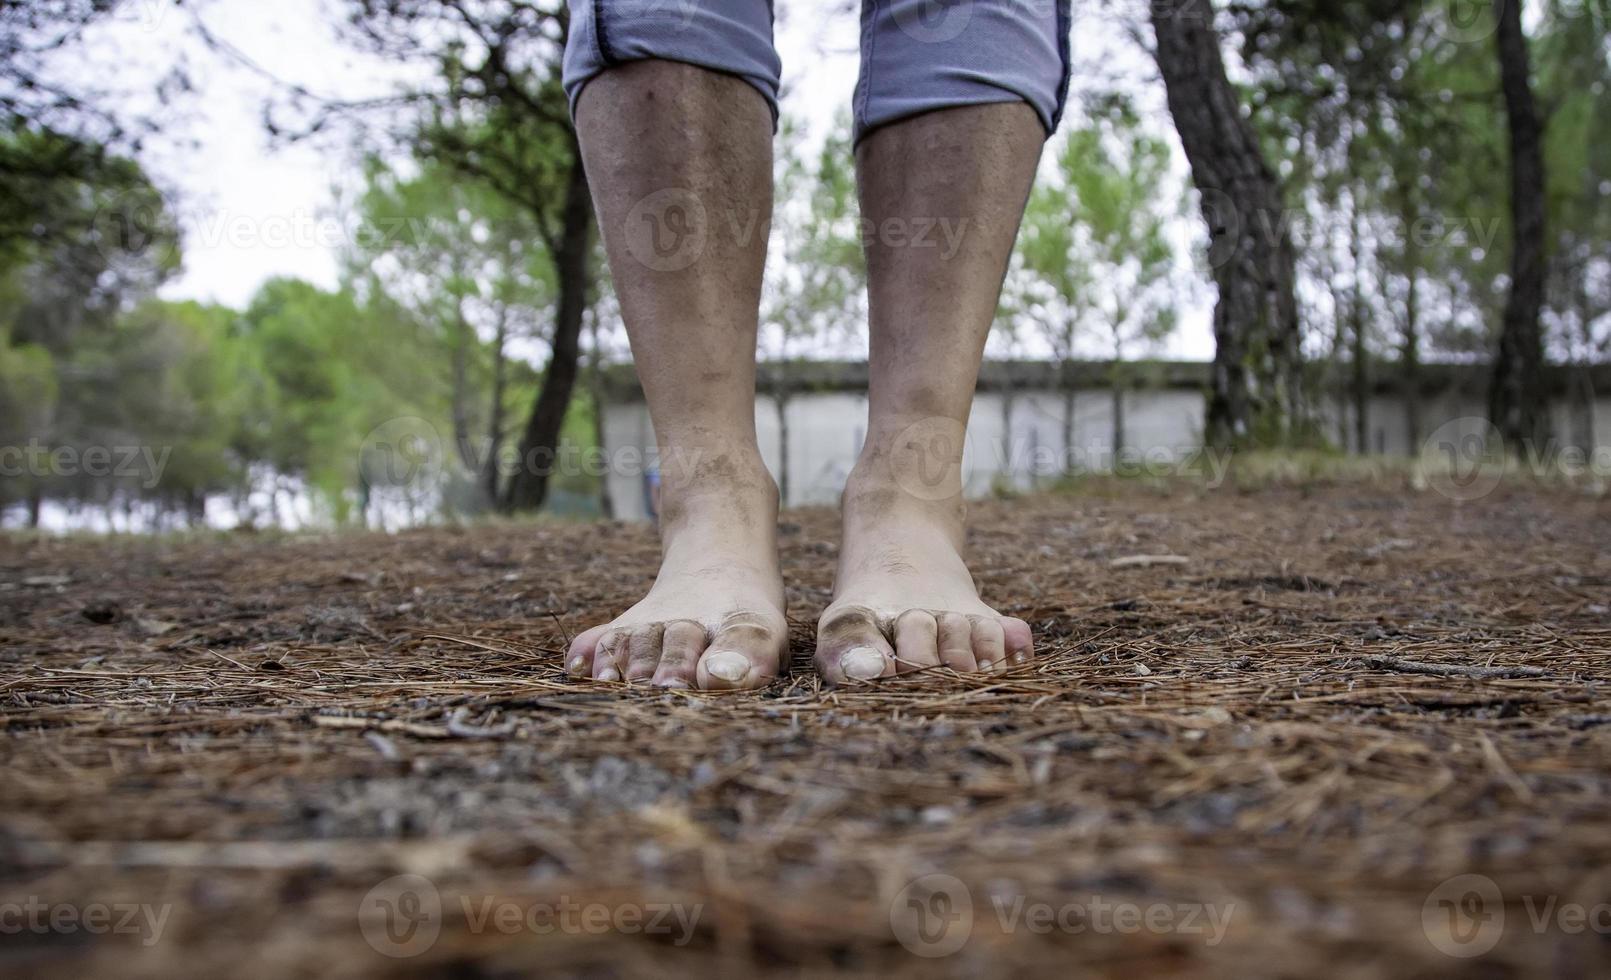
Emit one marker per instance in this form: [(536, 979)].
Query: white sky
[(252, 210)]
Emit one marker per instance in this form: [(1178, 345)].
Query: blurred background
[(320, 262)]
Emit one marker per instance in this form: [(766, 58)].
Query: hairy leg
[(680, 163), (903, 596)]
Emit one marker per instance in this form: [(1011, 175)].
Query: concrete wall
[(1018, 440)]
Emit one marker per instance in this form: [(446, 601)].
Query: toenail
[(609, 674), (730, 667), (988, 666), (675, 684), (576, 666), (863, 664)]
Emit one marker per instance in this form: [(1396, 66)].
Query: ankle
[(726, 486), (878, 496)]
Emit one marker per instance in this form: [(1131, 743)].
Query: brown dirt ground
[(255, 731)]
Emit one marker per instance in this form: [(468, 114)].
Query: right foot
[(714, 618)]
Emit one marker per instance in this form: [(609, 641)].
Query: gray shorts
[(916, 55)]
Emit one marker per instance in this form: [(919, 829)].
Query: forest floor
[(1347, 730)]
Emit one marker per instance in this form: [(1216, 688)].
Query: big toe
[(852, 649), (744, 654)]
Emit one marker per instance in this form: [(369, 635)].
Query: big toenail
[(863, 664), (730, 667), (609, 674), (576, 665)]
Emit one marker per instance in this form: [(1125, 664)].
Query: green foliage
[(82, 234), (466, 265), (815, 282), (1574, 53), (334, 369), (1095, 241), (1392, 110)]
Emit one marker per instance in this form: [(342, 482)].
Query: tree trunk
[(500, 382), (1582, 400), (595, 386), (1356, 323), (461, 371), (1116, 381), (1334, 380), (1410, 351), (1256, 393), (1008, 458), (781, 400), (1585, 381), (1067, 383), (1516, 397), (1412, 361), (528, 485), (1118, 420)]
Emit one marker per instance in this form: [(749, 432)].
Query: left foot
[(903, 597)]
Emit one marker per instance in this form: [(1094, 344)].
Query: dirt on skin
[(1352, 731)]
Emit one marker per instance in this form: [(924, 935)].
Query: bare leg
[(903, 598), (680, 162)]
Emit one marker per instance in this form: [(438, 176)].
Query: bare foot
[(903, 597), (714, 618)]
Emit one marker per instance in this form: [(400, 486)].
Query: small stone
[(102, 612), (1146, 561), (154, 627)]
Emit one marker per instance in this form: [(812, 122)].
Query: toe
[(643, 652), (1020, 640), (680, 649), (579, 658), (851, 648), (956, 642), (609, 657), (742, 655), (989, 643), (917, 644)]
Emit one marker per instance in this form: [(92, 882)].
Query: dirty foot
[(714, 618), (903, 597)]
